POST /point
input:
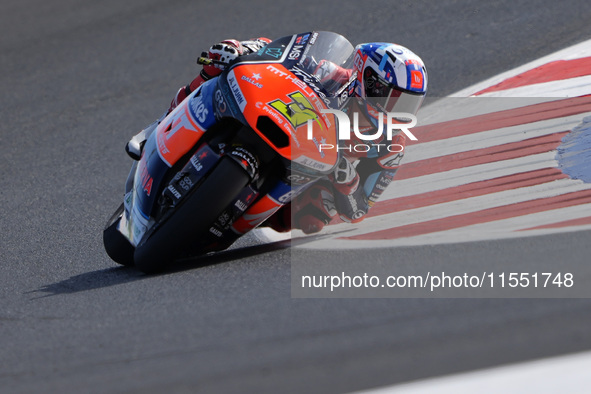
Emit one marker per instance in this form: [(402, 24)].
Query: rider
[(390, 78)]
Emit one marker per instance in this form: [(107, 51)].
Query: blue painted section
[(201, 105), (383, 63), (226, 104), (574, 154), (281, 192), (151, 170), (370, 183)]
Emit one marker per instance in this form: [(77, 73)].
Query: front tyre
[(193, 217), (116, 245)]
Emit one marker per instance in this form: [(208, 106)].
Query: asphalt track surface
[(79, 78)]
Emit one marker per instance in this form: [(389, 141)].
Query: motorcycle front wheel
[(192, 218), (116, 245)]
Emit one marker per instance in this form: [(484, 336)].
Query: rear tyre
[(192, 218), (116, 245)]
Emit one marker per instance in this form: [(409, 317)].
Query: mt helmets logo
[(416, 81)]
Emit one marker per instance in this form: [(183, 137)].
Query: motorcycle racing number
[(298, 111)]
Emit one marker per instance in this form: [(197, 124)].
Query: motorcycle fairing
[(262, 209), (272, 93), (172, 139), (140, 200), (185, 125), (292, 99)]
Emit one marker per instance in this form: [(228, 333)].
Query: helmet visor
[(387, 97)]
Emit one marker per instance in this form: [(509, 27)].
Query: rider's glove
[(225, 52), (313, 209)]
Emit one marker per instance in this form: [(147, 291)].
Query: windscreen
[(323, 59), (328, 57)]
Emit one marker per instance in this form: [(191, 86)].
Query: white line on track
[(577, 51), (448, 209), (572, 87), (490, 138), (462, 176), (563, 374)]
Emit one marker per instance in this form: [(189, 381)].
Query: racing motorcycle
[(232, 153)]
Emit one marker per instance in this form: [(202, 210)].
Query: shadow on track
[(119, 275)]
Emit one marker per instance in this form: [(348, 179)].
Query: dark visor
[(388, 97)]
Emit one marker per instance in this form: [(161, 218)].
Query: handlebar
[(208, 62)]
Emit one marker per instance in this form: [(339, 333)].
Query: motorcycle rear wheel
[(192, 218)]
